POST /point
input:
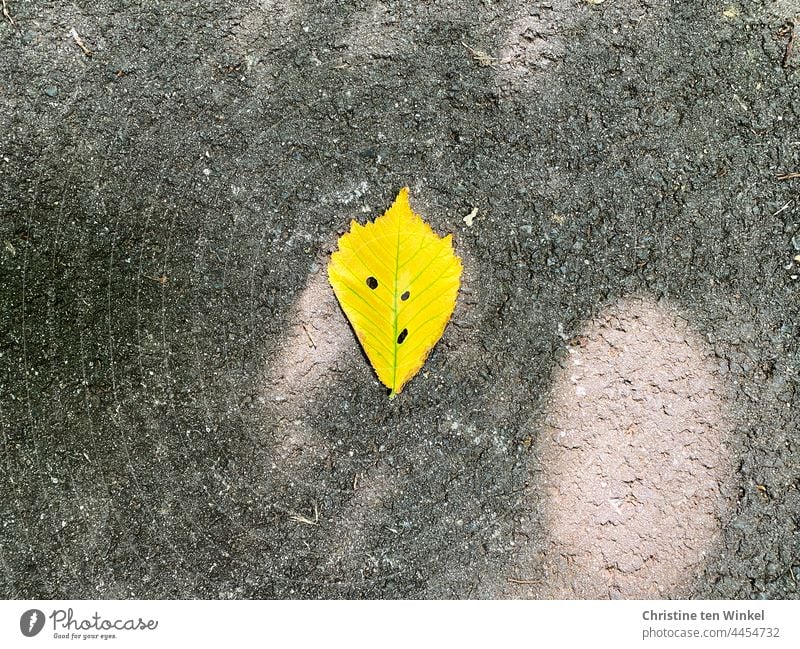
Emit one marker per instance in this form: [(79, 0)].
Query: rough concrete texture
[(185, 411), (639, 476)]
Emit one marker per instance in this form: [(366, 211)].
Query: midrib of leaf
[(394, 312)]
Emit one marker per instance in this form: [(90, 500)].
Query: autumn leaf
[(397, 282)]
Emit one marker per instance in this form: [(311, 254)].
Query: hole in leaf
[(405, 296), (372, 282), (402, 336)]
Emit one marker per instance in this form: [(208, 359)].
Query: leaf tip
[(402, 196)]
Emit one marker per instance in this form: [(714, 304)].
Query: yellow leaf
[(397, 282)]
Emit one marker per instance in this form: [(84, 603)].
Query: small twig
[(783, 208), (299, 518), (794, 174), (159, 280), (482, 58), (762, 489), (523, 582), (790, 29), (79, 42), (310, 339), (8, 15)]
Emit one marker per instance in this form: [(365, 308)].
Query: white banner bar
[(155, 624)]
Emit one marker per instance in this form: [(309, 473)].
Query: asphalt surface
[(185, 412)]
